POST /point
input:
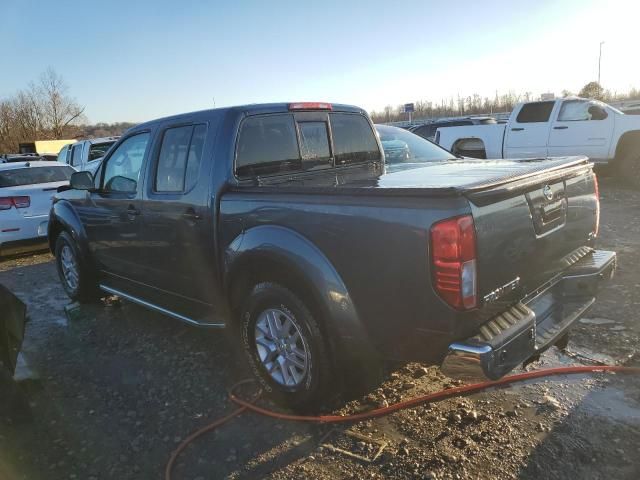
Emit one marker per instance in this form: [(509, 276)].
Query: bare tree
[(43, 110), (59, 111)]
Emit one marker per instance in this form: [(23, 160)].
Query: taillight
[(453, 254), (597, 189), (310, 106), (19, 202)]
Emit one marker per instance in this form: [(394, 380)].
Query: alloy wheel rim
[(69, 267), (281, 347)]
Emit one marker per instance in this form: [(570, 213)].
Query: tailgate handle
[(552, 211), (561, 127), (517, 129)]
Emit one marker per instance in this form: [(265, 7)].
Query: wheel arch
[(64, 218), (281, 255), (628, 141), (458, 147)]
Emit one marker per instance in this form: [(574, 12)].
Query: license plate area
[(548, 206)]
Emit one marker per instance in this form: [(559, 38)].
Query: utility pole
[(599, 61)]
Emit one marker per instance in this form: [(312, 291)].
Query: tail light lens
[(453, 254), (597, 189), (19, 202)]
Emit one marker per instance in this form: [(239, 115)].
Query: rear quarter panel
[(378, 245)]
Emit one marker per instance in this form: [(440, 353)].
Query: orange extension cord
[(245, 405)]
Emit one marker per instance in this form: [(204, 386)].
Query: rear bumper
[(530, 327), (23, 234)]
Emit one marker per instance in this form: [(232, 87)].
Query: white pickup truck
[(86, 154), (567, 126)]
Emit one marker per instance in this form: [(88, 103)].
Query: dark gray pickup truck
[(283, 221)]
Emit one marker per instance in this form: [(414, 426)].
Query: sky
[(137, 60)]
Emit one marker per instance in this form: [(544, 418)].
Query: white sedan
[(26, 189)]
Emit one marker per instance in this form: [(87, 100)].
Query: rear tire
[(77, 279), (629, 169), (286, 348)]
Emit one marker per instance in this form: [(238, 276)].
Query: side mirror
[(121, 184), (81, 181), (597, 112)]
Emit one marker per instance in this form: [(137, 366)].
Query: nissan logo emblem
[(547, 192)]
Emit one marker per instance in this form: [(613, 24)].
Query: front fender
[(298, 255), (63, 217)]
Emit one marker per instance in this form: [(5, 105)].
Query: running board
[(164, 311)]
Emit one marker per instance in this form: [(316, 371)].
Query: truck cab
[(560, 127)]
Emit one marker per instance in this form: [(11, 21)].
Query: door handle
[(191, 215), (561, 127), (132, 212), (519, 129)]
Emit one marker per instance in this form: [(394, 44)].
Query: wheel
[(629, 169), (76, 279), (285, 347)]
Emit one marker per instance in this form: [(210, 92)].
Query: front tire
[(285, 347), (77, 281)]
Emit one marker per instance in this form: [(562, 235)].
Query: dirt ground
[(114, 390)]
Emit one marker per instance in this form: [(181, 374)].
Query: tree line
[(44, 110), (475, 104)]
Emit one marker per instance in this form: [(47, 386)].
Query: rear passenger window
[(179, 158), (76, 153), (353, 139), (267, 145), (314, 144), (535, 112)]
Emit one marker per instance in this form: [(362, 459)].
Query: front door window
[(122, 170)]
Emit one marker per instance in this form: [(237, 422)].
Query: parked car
[(26, 189), (428, 130), (280, 222), (86, 154), (403, 149), (21, 157), (566, 126)]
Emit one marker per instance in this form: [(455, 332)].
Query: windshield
[(401, 146), (34, 175)]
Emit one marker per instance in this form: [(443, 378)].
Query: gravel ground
[(116, 388)]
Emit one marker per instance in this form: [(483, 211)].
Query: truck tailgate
[(531, 224)]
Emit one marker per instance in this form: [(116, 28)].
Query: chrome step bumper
[(527, 329)]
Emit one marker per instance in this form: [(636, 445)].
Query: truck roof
[(101, 139), (254, 108)]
